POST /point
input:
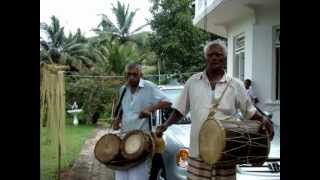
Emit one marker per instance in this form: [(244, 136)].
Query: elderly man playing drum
[(140, 99), (212, 93)]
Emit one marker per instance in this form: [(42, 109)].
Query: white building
[(252, 28)]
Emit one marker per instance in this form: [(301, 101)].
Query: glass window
[(277, 63), (239, 54)]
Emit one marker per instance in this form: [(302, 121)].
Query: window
[(276, 47), (239, 57)]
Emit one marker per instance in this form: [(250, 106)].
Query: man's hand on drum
[(267, 125), (116, 124), (145, 113), (160, 129)]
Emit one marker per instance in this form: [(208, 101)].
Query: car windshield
[(172, 94)]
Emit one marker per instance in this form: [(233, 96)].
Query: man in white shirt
[(201, 91), (140, 99), (247, 84)]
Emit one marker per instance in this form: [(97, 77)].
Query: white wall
[(263, 61), (258, 32), (243, 26)]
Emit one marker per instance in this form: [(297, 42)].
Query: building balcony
[(215, 15)]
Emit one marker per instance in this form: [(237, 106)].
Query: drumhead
[(133, 143), (136, 144), (211, 141), (107, 147)]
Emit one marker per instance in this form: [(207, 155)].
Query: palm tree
[(118, 44), (59, 49), (121, 29), (115, 55)]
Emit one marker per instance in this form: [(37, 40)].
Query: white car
[(172, 167)]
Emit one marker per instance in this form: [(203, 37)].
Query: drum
[(136, 144), (233, 141), (107, 148)]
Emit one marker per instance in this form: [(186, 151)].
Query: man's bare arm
[(174, 117), (160, 105), (266, 124)]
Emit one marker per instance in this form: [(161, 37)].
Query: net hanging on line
[(52, 103)]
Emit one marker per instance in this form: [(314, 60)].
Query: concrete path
[(86, 166)]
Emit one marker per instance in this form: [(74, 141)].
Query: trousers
[(139, 172), (199, 170)]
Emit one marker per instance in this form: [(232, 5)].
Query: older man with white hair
[(201, 91), (140, 98)]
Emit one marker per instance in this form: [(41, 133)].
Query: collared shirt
[(196, 98), (251, 94), (146, 95)]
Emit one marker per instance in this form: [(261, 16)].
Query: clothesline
[(109, 76)]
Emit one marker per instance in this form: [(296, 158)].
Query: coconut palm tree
[(115, 55), (121, 28), (59, 49), (118, 43)]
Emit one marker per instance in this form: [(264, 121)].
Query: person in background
[(247, 84)]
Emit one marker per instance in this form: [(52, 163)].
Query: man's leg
[(156, 165), (139, 172), (121, 175)]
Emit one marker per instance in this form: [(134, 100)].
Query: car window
[(173, 94)]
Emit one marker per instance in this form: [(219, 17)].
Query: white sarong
[(139, 172)]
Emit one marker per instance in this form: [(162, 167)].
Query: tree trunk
[(95, 117)]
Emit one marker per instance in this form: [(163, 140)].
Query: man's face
[(246, 84), (215, 58), (133, 76)]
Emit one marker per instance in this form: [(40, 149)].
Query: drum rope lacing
[(248, 143)]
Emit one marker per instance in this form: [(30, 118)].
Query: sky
[(83, 14)]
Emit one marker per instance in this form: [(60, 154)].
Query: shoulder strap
[(150, 123), (116, 112), (224, 91)]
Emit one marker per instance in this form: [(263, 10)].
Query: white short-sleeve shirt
[(196, 98), (251, 94), (147, 94)]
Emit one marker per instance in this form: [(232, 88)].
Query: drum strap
[(118, 110), (214, 107), (150, 123)]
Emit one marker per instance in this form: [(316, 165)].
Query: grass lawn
[(74, 137)]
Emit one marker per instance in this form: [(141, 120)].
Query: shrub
[(94, 96)]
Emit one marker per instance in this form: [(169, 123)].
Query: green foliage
[(121, 28), (59, 49), (118, 44), (75, 138), (176, 41), (94, 96)]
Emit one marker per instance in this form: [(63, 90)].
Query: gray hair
[(217, 42), (132, 65)]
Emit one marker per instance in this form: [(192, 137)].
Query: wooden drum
[(107, 148), (233, 141), (136, 144), (123, 153)]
